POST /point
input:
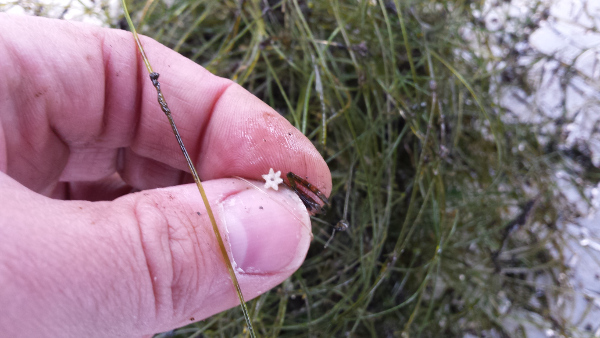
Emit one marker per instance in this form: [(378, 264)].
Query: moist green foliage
[(452, 213)]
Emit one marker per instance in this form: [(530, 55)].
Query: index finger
[(79, 105)]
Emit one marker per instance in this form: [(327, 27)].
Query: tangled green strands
[(167, 111), (452, 211)]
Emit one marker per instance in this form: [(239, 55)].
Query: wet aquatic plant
[(452, 214)]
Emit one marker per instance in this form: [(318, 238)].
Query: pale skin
[(80, 129)]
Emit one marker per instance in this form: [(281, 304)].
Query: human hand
[(79, 122)]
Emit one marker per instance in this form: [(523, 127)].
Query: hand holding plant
[(80, 124)]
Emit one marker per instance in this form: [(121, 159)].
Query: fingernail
[(268, 231)]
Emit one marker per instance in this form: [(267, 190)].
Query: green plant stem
[(165, 108)]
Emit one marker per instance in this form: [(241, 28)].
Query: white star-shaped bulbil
[(272, 179)]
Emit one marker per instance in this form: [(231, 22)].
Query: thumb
[(144, 263)]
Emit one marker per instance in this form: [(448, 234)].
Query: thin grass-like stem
[(165, 108)]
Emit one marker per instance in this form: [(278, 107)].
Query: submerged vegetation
[(452, 213)]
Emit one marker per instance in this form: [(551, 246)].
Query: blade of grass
[(479, 104), (406, 43), (167, 111)]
